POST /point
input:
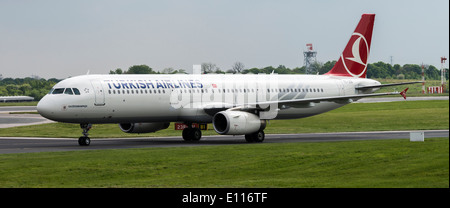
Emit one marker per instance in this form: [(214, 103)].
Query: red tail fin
[(353, 61)]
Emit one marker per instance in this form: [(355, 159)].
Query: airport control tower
[(310, 57)]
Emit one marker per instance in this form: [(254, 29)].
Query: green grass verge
[(376, 163), (410, 115)]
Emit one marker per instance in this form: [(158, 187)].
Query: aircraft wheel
[(84, 141), (187, 134), (196, 134), (249, 138), (259, 136), (255, 137), (192, 134)]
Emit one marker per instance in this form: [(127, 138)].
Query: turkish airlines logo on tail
[(355, 60)]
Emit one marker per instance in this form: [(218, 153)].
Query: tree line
[(33, 87), (375, 70), (38, 87), (379, 70)]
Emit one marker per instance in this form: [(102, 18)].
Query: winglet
[(403, 93)]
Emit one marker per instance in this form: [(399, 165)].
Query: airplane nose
[(44, 108)]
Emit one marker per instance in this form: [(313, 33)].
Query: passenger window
[(58, 91), (76, 91), (68, 91)]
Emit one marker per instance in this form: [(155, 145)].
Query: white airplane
[(235, 104)]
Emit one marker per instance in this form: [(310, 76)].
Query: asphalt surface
[(8, 120), (28, 145)]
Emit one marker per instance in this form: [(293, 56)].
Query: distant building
[(15, 99)]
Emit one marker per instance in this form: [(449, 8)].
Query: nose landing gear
[(85, 140)]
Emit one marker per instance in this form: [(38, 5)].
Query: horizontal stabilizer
[(403, 93)]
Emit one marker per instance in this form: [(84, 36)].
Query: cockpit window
[(76, 91), (68, 91), (58, 91)]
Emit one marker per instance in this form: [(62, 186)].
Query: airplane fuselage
[(186, 98)]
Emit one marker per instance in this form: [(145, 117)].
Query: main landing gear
[(85, 140), (195, 134), (192, 134)]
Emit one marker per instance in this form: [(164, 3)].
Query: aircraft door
[(98, 92)]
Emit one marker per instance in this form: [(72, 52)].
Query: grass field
[(378, 163), (410, 115)]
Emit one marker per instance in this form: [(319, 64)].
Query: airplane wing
[(338, 99), (212, 109)]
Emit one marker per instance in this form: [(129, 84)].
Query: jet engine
[(237, 123), (143, 127)]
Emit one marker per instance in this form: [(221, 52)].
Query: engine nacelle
[(237, 123), (142, 127)]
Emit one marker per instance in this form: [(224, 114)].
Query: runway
[(28, 145)]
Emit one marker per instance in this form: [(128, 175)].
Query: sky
[(62, 38)]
